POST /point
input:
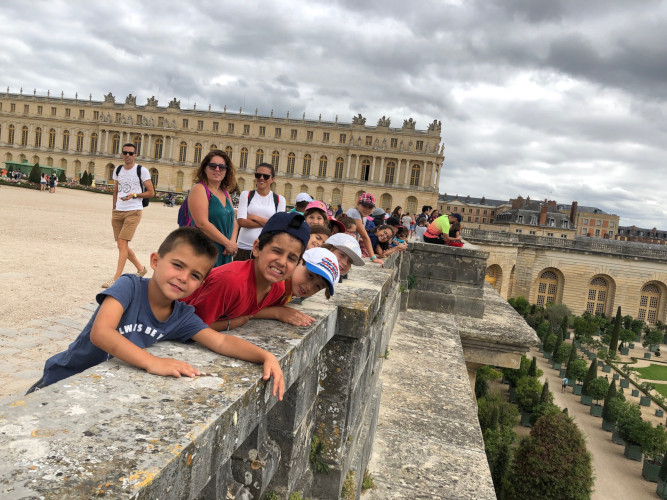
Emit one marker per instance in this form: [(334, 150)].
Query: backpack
[(184, 218), (144, 201), (276, 199)]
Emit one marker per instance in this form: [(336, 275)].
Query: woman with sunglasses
[(210, 205), (255, 208)]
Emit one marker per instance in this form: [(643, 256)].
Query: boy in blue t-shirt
[(135, 312)]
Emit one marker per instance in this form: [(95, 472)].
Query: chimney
[(517, 203), (543, 215), (483, 200), (573, 212), (527, 200)]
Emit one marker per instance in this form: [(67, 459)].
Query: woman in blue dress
[(210, 205)]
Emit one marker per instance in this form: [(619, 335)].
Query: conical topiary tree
[(532, 371), (570, 358), (613, 343), (591, 375), (35, 174), (555, 357), (544, 397), (563, 326), (62, 177), (606, 410)]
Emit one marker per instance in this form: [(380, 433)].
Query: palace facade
[(333, 161)]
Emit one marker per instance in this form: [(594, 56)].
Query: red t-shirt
[(230, 291)]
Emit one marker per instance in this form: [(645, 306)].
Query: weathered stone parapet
[(118, 431)]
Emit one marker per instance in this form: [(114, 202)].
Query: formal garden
[(613, 366)]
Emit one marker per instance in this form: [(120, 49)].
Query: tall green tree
[(591, 375), (532, 371), (606, 409), (563, 326), (556, 356), (613, 343), (545, 397), (570, 358), (62, 177), (552, 462), (35, 174)]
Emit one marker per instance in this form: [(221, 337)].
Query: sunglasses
[(128, 153), (266, 177), (217, 166)]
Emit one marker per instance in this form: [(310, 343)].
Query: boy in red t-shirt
[(233, 293)]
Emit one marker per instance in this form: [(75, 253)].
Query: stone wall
[(115, 430)]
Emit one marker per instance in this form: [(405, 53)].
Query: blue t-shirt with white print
[(138, 324)]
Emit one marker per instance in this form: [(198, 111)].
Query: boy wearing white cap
[(302, 200), (347, 251)]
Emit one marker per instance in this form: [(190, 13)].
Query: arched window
[(494, 276), (213, 146), (303, 189), (322, 172), (157, 151), (598, 290), (79, 141), (179, 180), (547, 287), (115, 144), (338, 172), (307, 160), (77, 168), (110, 169), (197, 158), (66, 140), (243, 164), (35, 159), (291, 160), (136, 140), (275, 160), (38, 137), (182, 151), (649, 303), (63, 163), (390, 173), (288, 192), (365, 169), (319, 193), (259, 157), (386, 201), (8, 157), (10, 135), (49, 161), (414, 175), (335, 197), (411, 204), (155, 175), (93, 143), (240, 183), (229, 151), (91, 168), (52, 138), (24, 136)]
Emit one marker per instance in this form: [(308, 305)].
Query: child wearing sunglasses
[(255, 208)]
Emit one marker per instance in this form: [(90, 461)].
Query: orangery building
[(331, 160)]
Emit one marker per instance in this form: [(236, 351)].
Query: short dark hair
[(266, 238), (320, 229), (192, 236), (301, 205), (129, 145)]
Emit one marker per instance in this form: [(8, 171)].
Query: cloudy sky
[(555, 99)]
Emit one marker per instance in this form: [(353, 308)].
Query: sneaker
[(142, 273), (108, 283)]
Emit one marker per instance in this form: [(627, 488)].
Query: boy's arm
[(285, 314), (222, 325), (235, 347), (361, 229), (104, 335)]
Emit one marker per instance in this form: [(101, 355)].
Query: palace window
[(649, 303), (598, 290), (115, 144), (419, 146), (325, 137), (533, 219), (52, 138), (230, 128), (66, 140), (342, 138), (186, 123), (93, 143), (200, 124), (259, 157), (229, 151), (275, 160), (197, 158), (182, 151), (40, 109), (288, 193), (53, 111), (322, 172), (293, 134), (213, 147), (82, 114), (216, 126), (309, 135), (411, 205), (262, 131), (118, 115), (291, 160), (278, 132), (155, 175), (179, 181), (307, 159), (38, 137), (12, 107), (319, 193), (139, 119), (386, 201), (246, 129), (335, 197), (244, 158), (26, 109), (547, 287), (394, 142), (365, 169), (338, 171), (414, 175), (24, 136), (369, 140), (389, 173), (160, 121), (157, 150), (79, 141), (68, 113)]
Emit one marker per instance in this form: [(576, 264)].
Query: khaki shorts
[(125, 224)]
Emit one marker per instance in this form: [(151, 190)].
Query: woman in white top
[(253, 214)]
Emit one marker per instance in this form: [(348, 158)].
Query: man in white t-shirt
[(127, 209)]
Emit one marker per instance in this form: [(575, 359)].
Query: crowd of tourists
[(227, 265)]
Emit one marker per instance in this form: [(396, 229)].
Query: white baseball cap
[(323, 263), (301, 197), (348, 245)]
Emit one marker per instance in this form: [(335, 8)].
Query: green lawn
[(653, 372), (661, 388)]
